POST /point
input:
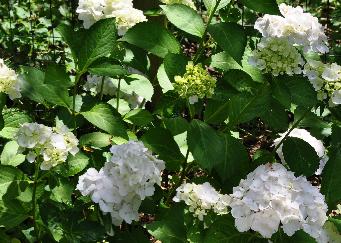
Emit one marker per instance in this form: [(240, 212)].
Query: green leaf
[(62, 193), (102, 116), (107, 69), (331, 180), (210, 4), (175, 65), (240, 108), (300, 156), (234, 163), (204, 143), (241, 81), (263, 6), (13, 118), (3, 99), (161, 142), (296, 90), (224, 231), (164, 80), (138, 117), (231, 38), (12, 213), (132, 236), (9, 175), (185, 18), (95, 139), (75, 164), (49, 87), (176, 125), (170, 226), (153, 38), (89, 45), (276, 116), (139, 85), (9, 154)]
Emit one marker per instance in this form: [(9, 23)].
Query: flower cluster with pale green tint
[(195, 83), (326, 79), (277, 56), (52, 145), (202, 198), (9, 81), (188, 3)]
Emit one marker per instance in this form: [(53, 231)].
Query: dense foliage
[(171, 121)]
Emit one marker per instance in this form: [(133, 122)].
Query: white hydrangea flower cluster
[(298, 27), (52, 144), (188, 3), (94, 86), (202, 198), (312, 141), (326, 79), (91, 11), (277, 56), (9, 81), (126, 179), (272, 195)]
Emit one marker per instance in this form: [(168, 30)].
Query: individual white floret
[(202, 198), (126, 179), (312, 141), (277, 56), (297, 27), (271, 196), (10, 82), (32, 134)]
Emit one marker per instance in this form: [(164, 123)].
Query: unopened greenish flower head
[(195, 83), (277, 56)]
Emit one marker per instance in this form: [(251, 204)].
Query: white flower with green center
[(326, 79), (195, 84), (10, 83), (202, 198), (277, 56)]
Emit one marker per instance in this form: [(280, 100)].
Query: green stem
[(118, 94), (101, 92), (202, 41), (295, 125), (191, 110), (184, 172), (34, 199), (78, 77)]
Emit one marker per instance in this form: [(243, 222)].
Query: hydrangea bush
[(175, 123)]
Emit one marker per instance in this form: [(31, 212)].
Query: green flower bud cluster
[(277, 56), (196, 83)]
